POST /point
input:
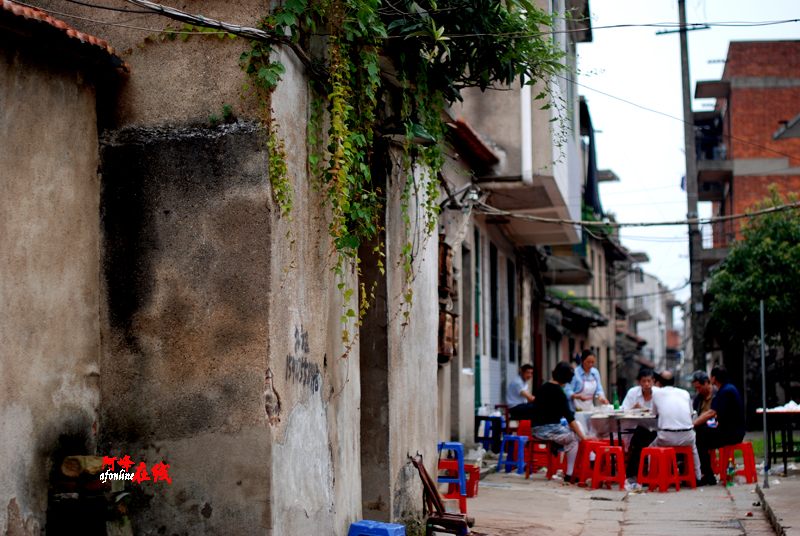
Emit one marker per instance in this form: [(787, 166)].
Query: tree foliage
[(762, 265)]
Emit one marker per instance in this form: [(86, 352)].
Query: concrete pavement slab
[(782, 503), (536, 506)]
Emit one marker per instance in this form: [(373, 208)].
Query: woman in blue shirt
[(585, 384)]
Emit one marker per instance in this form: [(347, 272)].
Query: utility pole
[(695, 263)]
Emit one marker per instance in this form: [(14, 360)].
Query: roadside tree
[(762, 265)]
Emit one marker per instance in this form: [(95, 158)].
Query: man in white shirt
[(518, 398), (640, 395), (673, 407)]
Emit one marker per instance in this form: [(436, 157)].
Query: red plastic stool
[(453, 489), (604, 466), (663, 468), (728, 452), (558, 462), (537, 453), (714, 461), (687, 475), (583, 467)]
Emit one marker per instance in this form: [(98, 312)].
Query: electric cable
[(145, 11), (487, 209), (673, 117)]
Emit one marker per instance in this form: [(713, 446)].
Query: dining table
[(784, 423), (604, 423)]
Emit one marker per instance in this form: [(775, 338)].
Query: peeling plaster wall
[(399, 368), (231, 335), (412, 354), (49, 340), (221, 344)]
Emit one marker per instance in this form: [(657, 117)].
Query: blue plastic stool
[(458, 448), (519, 463), (375, 528), (493, 431)]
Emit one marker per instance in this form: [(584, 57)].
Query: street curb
[(776, 522)]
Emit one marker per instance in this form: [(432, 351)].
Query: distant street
[(510, 505)]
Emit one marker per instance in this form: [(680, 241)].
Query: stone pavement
[(782, 502), (509, 505)]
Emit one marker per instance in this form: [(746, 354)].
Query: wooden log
[(75, 466)]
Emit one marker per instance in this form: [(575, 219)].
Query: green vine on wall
[(437, 49)]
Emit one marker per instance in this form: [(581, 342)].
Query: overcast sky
[(646, 149)]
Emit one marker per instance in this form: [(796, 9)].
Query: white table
[(605, 424)]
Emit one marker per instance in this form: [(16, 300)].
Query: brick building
[(743, 146), (737, 156)]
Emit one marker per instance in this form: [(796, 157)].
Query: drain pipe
[(526, 118)]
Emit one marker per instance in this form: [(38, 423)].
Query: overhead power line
[(623, 298), (697, 25), (673, 117), (121, 9), (254, 33), (487, 209)]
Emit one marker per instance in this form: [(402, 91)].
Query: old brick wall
[(763, 58)]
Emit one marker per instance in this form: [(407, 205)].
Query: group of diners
[(713, 419)]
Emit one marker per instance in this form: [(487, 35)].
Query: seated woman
[(547, 410)]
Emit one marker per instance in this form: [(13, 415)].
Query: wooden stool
[(604, 466), (663, 468), (687, 475), (728, 451)]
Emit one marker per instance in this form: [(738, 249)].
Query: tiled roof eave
[(37, 15)]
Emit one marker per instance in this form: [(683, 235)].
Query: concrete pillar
[(399, 376)]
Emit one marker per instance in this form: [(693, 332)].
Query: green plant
[(761, 265), (213, 119), (264, 74), (227, 111), (437, 49), (574, 300)]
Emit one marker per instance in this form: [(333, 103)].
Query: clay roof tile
[(41, 16)]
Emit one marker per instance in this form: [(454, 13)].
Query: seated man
[(727, 409), (640, 395), (673, 407), (705, 392), (545, 415), (518, 398)]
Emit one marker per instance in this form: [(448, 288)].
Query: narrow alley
[(509, 505)]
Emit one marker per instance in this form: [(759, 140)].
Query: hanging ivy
[(437, 49)]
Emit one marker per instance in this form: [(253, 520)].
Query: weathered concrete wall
[(458, 405), (186, 278), (172, 82), (49, 341), (399, 370), (412, 350), (221, 350)]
